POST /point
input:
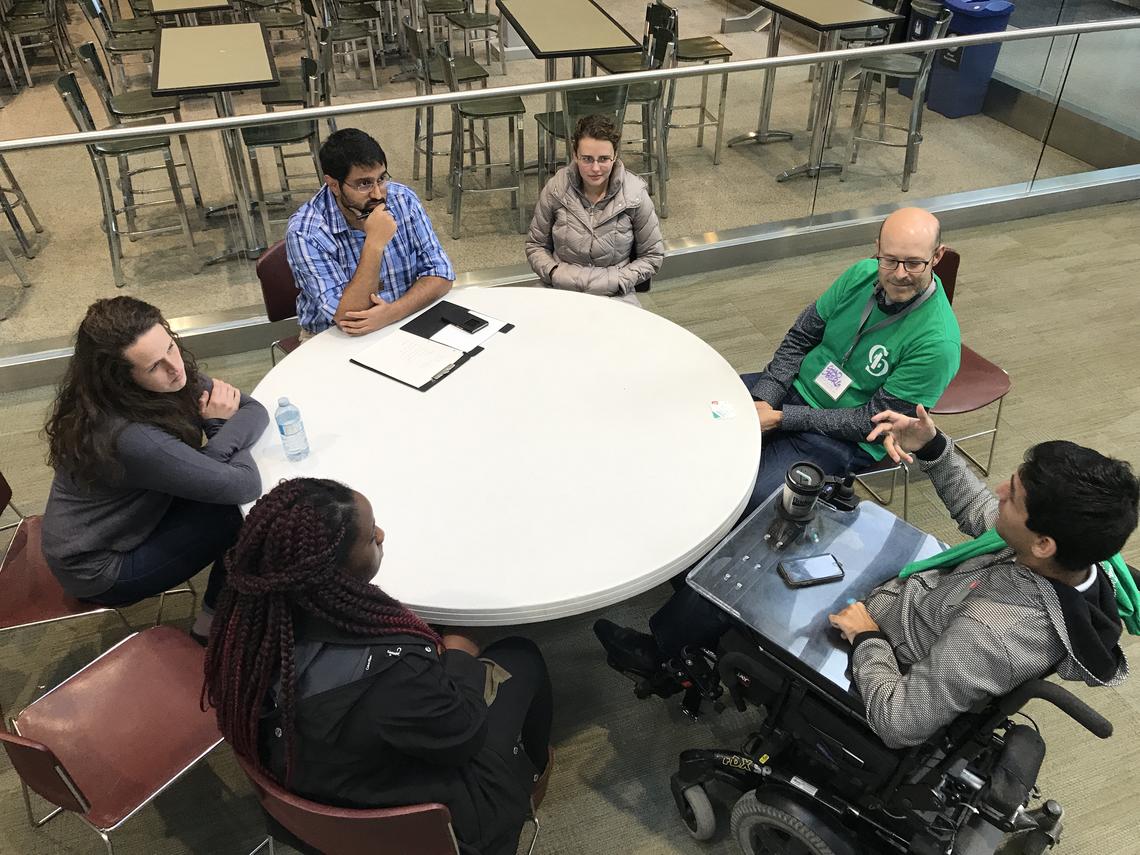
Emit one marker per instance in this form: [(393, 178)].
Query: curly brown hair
[(82, 429), (289, 560), (597, 127)]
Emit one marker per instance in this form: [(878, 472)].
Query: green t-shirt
[(913, 359)]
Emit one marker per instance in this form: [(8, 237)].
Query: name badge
[(833, 381)]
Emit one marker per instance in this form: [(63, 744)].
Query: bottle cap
[(282, 402)]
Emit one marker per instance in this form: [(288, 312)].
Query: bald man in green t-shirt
[(882, 337)]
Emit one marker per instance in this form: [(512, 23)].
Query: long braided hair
[(289, 559)]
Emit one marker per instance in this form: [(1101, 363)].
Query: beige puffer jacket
[(591, 245)]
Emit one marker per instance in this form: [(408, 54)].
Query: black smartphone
[(805, 572), (473, 324)]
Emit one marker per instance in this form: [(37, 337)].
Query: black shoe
[(629, 650)]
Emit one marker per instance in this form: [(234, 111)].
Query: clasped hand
[(221, 402), (369, 320)]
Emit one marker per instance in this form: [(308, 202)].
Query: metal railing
[(556, 86)]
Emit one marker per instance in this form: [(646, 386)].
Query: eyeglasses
[(604, 160), (910, 265), (365, 185)]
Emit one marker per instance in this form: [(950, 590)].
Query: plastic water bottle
[(292, 430)]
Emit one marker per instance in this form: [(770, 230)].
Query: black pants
[(520, 715), (524, 706), (190, 536)]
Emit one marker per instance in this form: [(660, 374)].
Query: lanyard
[(885, 322)]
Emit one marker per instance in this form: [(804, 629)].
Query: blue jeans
[(190, 536), (780, 449)]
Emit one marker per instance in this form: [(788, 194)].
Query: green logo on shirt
[(877, 364)]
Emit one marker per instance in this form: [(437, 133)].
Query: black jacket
[(385, 722)]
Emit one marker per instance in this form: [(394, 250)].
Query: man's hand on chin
[(769, 419), (368, 320), (853, 620)]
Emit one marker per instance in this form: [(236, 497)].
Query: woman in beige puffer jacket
[(595, 228)]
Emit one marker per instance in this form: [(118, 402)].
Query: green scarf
[(1127, 596)]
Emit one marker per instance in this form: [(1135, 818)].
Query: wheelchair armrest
[(1063, 699)]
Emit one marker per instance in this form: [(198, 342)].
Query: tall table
[(185, 11), (828, 17), (218, 59), (572, 464), (569, 28), (740, 576)]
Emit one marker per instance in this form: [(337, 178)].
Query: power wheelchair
[(813, 778)]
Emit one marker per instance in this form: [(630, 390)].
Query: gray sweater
[(87, 529), (962, 635)]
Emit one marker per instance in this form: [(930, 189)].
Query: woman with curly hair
[(139, 502), (344, 696)]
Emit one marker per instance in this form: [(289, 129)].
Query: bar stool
[(367, 13), (277, 137), (137, 104), (509, 107), (343, 33), (656, 15), (429, 72), (435, 18), (117, 46), (12, 197), (121, 152), (489, 24), (276, 16), (47, 31), (649, 96), (702, 49), (291, 91), (903, 67)]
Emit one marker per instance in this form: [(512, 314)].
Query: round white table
[(572, 464)]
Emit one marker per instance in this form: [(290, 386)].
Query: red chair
[(978, 383), (422, 829), (111, 737), (29, 592), (279, 292)]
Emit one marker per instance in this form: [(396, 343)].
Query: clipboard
[(392, 359)]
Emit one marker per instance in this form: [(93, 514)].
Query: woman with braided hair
[(139, 502), (347, 698)]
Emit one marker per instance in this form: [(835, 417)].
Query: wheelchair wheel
[(698, 814), (762, 829)]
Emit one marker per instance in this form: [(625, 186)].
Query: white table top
[(572, 464)]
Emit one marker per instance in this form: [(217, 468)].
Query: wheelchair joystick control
[(796, 508)]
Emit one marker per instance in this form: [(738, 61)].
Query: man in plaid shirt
[(363, 251)]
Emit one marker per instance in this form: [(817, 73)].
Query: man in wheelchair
[(942, 655)]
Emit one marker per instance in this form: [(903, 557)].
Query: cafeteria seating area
[(71, 265), (1050, 297), (609, 792)]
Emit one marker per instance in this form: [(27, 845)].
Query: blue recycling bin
[(961, 76)]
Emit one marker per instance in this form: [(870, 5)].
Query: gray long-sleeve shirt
[(850, 423), (87, 529), (964, 634)]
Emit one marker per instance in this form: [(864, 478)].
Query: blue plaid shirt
[(324, 253)]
